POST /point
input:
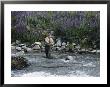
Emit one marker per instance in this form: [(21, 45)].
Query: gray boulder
[(17, 42), (28, 50), (18, 48), (20, 45), (63, 44), (36, 47)]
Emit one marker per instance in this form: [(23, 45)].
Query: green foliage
[(13, 34), (36, 26)]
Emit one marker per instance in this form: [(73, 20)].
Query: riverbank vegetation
[(79, 27)]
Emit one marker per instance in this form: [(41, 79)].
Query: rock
[(13, 47), (17, 42), (66, 49), (13, 44), (21, 53), (18, 48), (69, 57), (53, 48), (36, 47), (58, 43), (90, 49), (20, 45), (98, 51), (95, 51), (58, 48), (78, 47), (38, 43), (73, 44), (83, 50), (18, 63), (28, 50), (63, 47), (24, 47), (43, 49), (63, 44)]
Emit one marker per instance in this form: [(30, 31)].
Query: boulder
[(17, 42), (18, 48), (28, 49), (24, 47), (20, 45), (95, 51), (13, 43), (13, 47), (70, 57), (98, 51), (78, 47), (90, 49), (20, 53), (63, 48), (58, 48), (36, 47), (63, 44), (43, 49), (18, 62), (58, 43), (38, 43), (73, 44)]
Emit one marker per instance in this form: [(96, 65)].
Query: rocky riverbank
[(30, 60)]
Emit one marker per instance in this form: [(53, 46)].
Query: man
[(48, 43)]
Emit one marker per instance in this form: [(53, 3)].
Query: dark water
[(78, 65)]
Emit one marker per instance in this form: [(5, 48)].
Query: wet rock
[(13, 43), (58, 43), (43, 49), (98, 51), (20, 53), (18, 63), (13, 47), (24, 47), (63, 44), (38, 43), (36, 47), (20, 45), (63, 47), (18, 48), (69, 57), (58, 48), (17, 42), (28, 50), (95, 51)]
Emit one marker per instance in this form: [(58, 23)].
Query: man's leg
[(47, 51), (49, 54)]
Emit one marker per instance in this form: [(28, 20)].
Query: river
[(78, 65)]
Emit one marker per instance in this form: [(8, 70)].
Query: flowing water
[(78, 65)]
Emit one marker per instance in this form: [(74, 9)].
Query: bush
[(18, 63)]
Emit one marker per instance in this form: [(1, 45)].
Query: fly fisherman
[(48, 44)]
